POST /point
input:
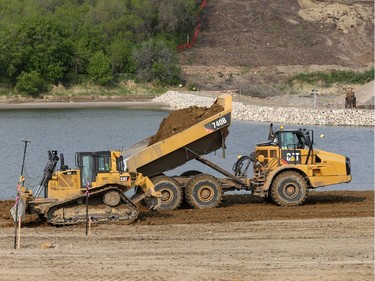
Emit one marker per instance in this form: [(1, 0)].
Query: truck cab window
[(289, 140)]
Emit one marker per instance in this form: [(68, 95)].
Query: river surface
[(71, 130)]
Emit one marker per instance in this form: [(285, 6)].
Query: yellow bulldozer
[(95, 190)]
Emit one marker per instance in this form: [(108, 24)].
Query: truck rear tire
[(289, 189), (171, 192), (203, 192)]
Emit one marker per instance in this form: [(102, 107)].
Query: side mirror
[(260, 158), (77, 162), (271, 134)]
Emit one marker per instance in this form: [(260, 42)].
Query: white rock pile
[(287, 115)]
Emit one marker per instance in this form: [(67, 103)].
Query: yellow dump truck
[(284, 168)]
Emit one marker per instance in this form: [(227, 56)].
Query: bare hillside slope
[(255, 33), (278, 38)]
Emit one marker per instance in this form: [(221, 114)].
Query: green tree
[(30, 83), (157, 61), (100, 68), (120, 52), (176, 17), (37, 44), (58, 39)]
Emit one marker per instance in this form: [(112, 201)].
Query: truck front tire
[(289, 189), (203, 192), (171, 192)]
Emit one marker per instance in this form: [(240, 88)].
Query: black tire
[(171, 192), (289, 189), (190, 173), (203, 192)]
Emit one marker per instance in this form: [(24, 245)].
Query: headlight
[(348, 168)]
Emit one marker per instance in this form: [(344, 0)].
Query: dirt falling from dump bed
[(179, 120)]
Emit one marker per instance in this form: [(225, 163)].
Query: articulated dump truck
[(283, 168)]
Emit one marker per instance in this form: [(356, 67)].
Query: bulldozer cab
[(93, 163)]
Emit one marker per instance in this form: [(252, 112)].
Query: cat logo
[(292, 157)]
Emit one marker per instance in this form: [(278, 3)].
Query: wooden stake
[(87, 213), (16, 227), (89, 226), (19, 234)]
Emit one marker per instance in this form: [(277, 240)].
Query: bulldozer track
[(73, 211)]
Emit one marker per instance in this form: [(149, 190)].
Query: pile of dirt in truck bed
[(179, 120)]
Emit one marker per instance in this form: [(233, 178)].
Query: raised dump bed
[(199, 139)]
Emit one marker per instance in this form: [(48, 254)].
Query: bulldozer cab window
[(104, 163), (88, 170), (290, 140)]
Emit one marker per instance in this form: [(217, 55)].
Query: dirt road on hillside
[(330, 237)]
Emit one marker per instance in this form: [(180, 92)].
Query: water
[(74, 130)]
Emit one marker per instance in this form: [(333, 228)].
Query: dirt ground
[(330, 237)]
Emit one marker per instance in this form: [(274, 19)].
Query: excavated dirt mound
[(179, 120)]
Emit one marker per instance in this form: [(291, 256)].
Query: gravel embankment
[(287, 115)]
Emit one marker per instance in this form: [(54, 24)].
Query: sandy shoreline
[(173, 100), (85, 104)]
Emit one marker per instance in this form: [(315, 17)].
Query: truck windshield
[(290, 140)]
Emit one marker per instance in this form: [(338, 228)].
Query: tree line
[(46, 42)]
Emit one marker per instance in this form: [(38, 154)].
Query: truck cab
[(287, 146), (288, 164)]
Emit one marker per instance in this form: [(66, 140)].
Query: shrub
[(30, 83), (335, 76)]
